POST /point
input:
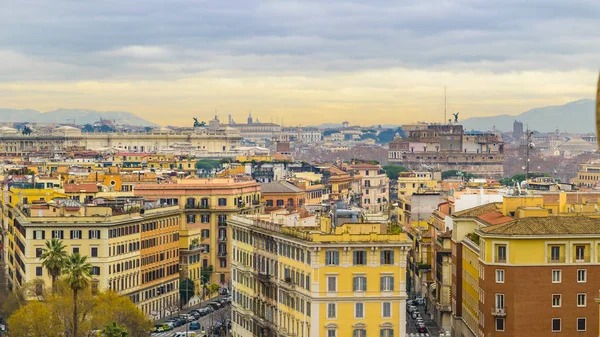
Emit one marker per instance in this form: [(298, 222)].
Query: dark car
[(421, 328), (195, 326), (215, 305)]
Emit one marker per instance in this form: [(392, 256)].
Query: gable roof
[(479, 210), (279, 187), (74, 188), (548, 225)]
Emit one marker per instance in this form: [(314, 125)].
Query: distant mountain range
[(81, 116), (576, 117)]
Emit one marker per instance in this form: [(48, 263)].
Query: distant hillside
[(81, 116), (576, 117)]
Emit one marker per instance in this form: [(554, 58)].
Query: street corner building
[(296, 275)]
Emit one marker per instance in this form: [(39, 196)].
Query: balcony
[(499, 312), (222, 223), (222, 238), (287, 283), (222, 254), (196, 206), (264, 278), (443, 307)]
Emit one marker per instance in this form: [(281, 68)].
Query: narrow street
[(206, 322)]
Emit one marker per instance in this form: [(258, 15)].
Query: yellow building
[(206, 206), (410, 183), (116, 236), (293, 276), (520, 267)]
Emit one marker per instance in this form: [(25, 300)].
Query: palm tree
[(54, 257), (78, 275), (115, 330)]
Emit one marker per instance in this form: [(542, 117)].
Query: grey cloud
[(53, 39)]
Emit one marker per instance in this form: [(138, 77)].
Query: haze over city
[(306, 62)]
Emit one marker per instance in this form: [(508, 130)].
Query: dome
[(6, 130), (67, 130), (161, 130)]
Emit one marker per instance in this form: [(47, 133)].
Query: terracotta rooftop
[(74, 188), (279, 187), (479, 210), (550, 225), (494, 218)]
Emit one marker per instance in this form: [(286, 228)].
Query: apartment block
[(295, 275), (524, 267), (374, 186), (133, 249), (206, 206)]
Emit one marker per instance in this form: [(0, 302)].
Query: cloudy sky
[(298, 62)]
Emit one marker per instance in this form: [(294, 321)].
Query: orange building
[(281, 194)]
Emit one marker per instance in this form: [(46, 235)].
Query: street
[(206, 322), (432, 328)]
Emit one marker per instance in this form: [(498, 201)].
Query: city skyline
[(299, 62)]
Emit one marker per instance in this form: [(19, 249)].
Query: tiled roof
[(74, 188), (550, 225), (494, 218), (279, 187), (479, 210)]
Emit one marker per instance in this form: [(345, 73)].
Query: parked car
[(172, 322), (215, 305), (195, 326), (421, 328), (162, 327), (187, 317)]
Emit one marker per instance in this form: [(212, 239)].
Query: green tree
[(393, 171), (115, 330), (88, 128), (213, 288), (53, 259), (36, 319), (207, 164), (186, 290), (206, 274), (78, 274)]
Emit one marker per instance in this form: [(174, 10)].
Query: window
[(556, 276), (555, 253), (581, 300), (331, 333), (386, 309), (500, 301), (191, 218), (501, 253), (579, 253), (387, 257), (94, 252), (38, 271), (222, 201), (499, 275), (205, 218), (39, 252), (359, 310), (581, 324), (57, 235), (39, 235), (280, 203), (499, 324), (556, 300), (95, 270), (556, 325), (359, 257), (387, 283), (360, 283), (94, 234), (331, 310), (359, 333), (581, 275), (332, 283), (387, 333), (332, 258), (75, 235), (75, 250)]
